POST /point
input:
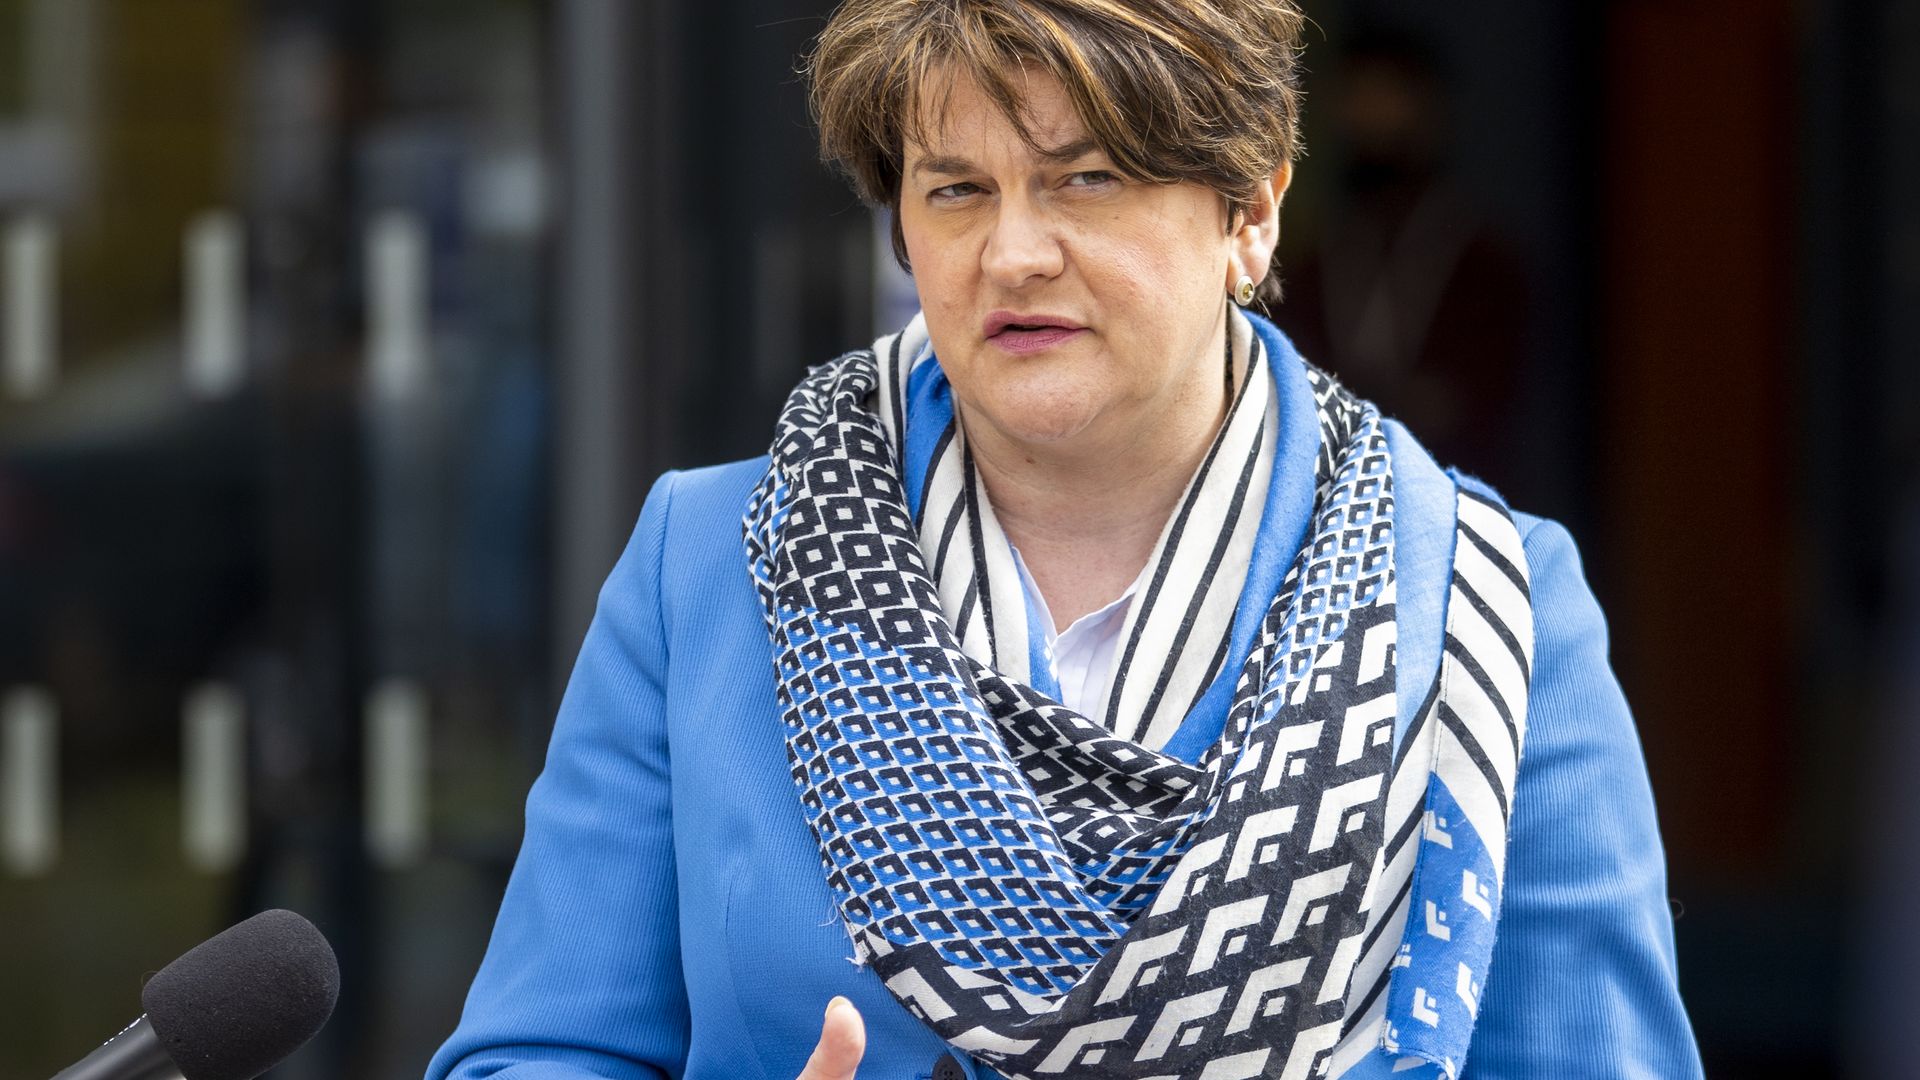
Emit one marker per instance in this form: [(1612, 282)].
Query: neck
[(1086, 514)]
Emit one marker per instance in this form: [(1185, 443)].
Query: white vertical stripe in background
[(30, 315), (396, 305), (29, 781), (396, 777), (213, 808), (216, 304)]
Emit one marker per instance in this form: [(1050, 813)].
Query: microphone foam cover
[(233, 1006)]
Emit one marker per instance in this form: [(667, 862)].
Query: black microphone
[(230, 1008)]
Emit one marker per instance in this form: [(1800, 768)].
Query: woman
[(1101, 690)]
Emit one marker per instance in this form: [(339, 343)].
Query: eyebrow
[(945, 166), (1077, 149), (955, 166)]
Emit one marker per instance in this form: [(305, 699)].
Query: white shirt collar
[(1082, 654)]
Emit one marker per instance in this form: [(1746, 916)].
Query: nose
[(1021, 246)]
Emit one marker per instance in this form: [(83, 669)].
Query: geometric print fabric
[(1055, 900), (1170, 654)]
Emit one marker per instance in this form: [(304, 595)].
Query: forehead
[(955, 112)]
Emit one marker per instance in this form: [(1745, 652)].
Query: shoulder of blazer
[(708, 506), (702, 542)]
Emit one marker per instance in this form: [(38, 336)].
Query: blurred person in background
[(1410, 297), (1095, 687)]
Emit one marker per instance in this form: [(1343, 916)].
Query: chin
[(1043, 419), (1035, 402)]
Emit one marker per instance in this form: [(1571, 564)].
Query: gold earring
[(1243, 292)]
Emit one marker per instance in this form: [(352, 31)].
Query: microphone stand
[(134, 1054)]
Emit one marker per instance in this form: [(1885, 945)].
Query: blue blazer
[(668, 916)]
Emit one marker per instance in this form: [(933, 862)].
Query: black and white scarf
[(1056, 894), (1178, 630)]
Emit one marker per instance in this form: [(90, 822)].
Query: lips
[(1018, 332), (1025, 322)]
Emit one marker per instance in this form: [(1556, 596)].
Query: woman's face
[(1068, 305)]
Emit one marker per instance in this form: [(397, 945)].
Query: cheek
[(1158, 271), (940, 265), (938, 281), (943, 277)]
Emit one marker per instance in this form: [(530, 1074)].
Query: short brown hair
[(1171, 90)]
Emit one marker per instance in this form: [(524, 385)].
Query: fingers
[(843, 1040)]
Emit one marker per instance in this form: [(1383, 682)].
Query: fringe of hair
[(1172, 90)]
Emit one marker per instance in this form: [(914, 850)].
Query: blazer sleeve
[(1582, 983), (582, 977)]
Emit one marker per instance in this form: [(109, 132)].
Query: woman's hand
[(843, 1040)]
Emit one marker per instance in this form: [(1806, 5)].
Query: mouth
[(1022, 333)]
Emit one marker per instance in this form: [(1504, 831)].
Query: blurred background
[(341, 339)]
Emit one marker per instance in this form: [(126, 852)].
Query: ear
[(1256, 231)]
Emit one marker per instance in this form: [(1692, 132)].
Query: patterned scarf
[(1052, 896), (1178, 631)]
